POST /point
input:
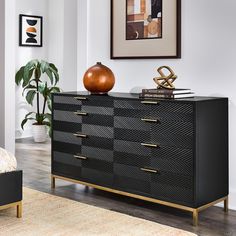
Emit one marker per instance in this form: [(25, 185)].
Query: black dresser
[(171, 152)]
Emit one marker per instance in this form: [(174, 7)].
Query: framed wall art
[(145, 29), (30, 31)]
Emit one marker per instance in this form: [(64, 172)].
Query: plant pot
[(39, 133)]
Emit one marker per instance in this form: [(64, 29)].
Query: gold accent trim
[(80, 135), (80, 157), (80, 98), (194, 211), (19, 210), (78, 113), (226, 204), (150, 102), (125, 193), (18, 206), (150, 120), (149, 170), (149, 145), (201, 208), (53, 182), (195, 217)]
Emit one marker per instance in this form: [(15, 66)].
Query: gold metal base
[(18, 206), (194, 211)]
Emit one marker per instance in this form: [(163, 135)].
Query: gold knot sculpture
[(165, 81)]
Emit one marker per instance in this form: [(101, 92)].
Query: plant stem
[(44, 104), (37, 86)]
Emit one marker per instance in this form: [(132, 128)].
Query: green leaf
[(49, 73), (30, 113), (30, 96), (27, 75), (49, 102), (54, 70), (50, 131), (37, 72), (48, 116), (47, 123), (42, 87), (19, 75), (29, 66), (44, 66), (55, 90), (32, 87), (53, 67), (40, 118), (23, 123)]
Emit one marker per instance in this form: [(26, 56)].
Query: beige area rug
[(48, 215)]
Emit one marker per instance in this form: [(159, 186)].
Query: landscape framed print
[(30, 31), (145, 29)]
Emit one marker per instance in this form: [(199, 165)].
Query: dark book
[(165, 91), (168, 96)]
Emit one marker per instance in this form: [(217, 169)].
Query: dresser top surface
[(135, 96)]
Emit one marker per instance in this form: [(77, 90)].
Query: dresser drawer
[(130, 159), (83, 168), (69, 100), (66, 126), (175, 133), (65, 137), (175, 187), (132, 135), (173, 110), (167, 158), (173, 159), (131, 179), (155, 183), (88, 118), (79, 100), (130, 108), (66, 147), (131, 148)]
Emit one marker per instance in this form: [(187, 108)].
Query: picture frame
[(30, 31), (133, 36)]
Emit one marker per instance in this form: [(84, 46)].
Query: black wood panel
[(11, 187)]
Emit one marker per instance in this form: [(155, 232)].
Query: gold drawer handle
[(81, 98), (78, 113), (149, 170), (150, 102), (150, 120), (80, 157), (80, 135), (150, 145)]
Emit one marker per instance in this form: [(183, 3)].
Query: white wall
[(207, 65), (62, 40), (25, 54), (2, 73), (9, 112), (59, 47)]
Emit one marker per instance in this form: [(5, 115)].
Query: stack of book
[(166, 93)]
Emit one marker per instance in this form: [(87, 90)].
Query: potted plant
[(29, 77)]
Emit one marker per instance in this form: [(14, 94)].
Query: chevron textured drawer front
[(165, 150)]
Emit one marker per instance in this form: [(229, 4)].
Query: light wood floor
[(34, 160)]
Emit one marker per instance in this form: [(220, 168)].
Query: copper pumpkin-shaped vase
[(99, 79)]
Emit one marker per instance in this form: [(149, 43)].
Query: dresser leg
[(19, 210), (226, 204), (195, 217), (53, 182)]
